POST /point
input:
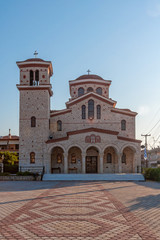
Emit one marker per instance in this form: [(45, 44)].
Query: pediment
[(91, 95)]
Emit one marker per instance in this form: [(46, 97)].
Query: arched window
[(83, 112), (59, 125), (91, 109), (31, 78), (80, 92), (33, 122), (99, 90), (98, 112), (124, 158), (123, 125), (32, 157), (37, 77), (109, 158), (90, 89)]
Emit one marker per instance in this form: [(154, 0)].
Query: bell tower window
[(31, 78), (37, 77)]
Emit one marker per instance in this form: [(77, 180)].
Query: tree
[(9, 157)]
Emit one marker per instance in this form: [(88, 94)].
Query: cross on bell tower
[(35, 54), (88, 71)]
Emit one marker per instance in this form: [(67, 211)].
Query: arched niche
[(74, 160), (127, 160), (57, 160), (110, 160)]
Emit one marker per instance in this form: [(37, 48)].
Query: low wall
[(19, 178)]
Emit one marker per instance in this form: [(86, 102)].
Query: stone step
[(94, 177)]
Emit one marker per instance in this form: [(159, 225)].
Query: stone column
[(135, 164), (83, 163), (66, 163), (119, 162), (101, 163)]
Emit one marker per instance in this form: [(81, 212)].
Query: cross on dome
[(88, 71), (35, 54)]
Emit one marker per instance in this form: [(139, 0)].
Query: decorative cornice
[(31, 88), (128, 113), (61, 112), (129, 139), (83, 131)]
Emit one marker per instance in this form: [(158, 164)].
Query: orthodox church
[(90, 135)]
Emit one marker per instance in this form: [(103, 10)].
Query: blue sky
[(116, 39)]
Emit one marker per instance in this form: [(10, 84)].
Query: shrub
[(4, 174), (35, 175), (152, 174), (24, 173)]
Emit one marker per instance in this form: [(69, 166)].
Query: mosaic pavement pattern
[(70, 210)]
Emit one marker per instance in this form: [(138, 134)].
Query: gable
[(92, 95)]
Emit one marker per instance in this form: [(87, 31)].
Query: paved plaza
[(80, 210)]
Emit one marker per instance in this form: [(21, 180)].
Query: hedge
[(152, 174)]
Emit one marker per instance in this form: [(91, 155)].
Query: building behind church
[(90, 136)]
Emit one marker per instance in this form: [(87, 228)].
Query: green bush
[(152, 174), (4, 174), (35, 175), (24, 173)]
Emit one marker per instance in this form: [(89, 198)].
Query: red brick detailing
[(129, 139), (21, 88), (60, 112), (92, 139), (125, 113), (24, 76), (83, 131)]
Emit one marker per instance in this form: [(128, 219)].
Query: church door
[(91, 164)]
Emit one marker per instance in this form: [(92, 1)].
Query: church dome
[(89, 76), (34, 60)]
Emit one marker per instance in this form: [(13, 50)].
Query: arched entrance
[(110, 160), (92, 156), (57, 160), (74, 160), (128, 160)]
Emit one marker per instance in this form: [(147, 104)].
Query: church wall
[(109, 120), (32, 139)]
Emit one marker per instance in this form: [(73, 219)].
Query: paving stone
[(79, 210)]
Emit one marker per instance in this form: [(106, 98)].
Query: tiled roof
[(90, 76), (14, 137)]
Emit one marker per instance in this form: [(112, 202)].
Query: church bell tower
[(35, 92)]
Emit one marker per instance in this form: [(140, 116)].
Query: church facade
[(90, 136)]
